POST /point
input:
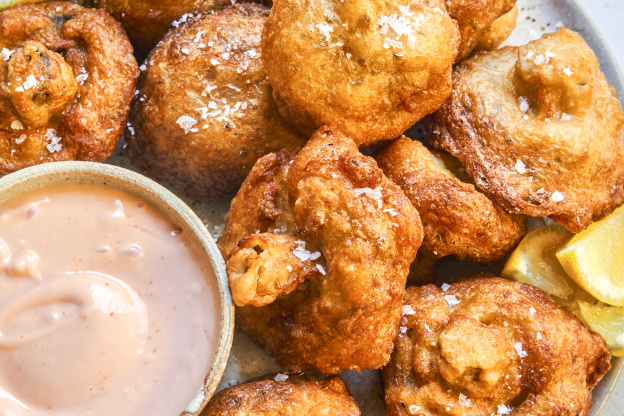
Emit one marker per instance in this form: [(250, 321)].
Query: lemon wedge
[(534, 262), (606, 320), (594, 258)]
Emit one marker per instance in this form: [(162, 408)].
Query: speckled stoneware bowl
[(182, 216)]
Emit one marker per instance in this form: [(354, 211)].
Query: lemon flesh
[(606, 320), (594, 258), (534, 262)]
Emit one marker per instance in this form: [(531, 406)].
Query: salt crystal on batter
[(518, 347), (452, 300), (445, 287), (464, 400), (520, 167), (556, 196), (186, 123), (408, 310), (567, 71), (524, 104), (281, 377)]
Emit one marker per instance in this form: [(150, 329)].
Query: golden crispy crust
[(538, 128), (343, 64), (66, 84), (475, 18), (204, 112), (298, 395), (147, 21), (504, 345), (340, 203), (499, 31), (457, 219)]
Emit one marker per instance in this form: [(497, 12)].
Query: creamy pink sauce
[(105, 307)]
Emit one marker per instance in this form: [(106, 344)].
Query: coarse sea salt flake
[(408, 310), (520, 167), (321, 269), (6, 54), (566, 117), (281, 377), (186, 123), (371, 193), (464, 400), (53, 140), (567, 71), (503, 410), (518, 347), (30, 82), (532, 310), (413, 409), (445, 287), (325, 30), (524, 104), (452, 300), (556, 196)]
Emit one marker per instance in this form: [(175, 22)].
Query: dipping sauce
[(105, 307)]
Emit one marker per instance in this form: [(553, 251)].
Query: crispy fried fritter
[(538, 128), (147, 21), (333, 199), (457, 219), (369, 68), (204, 112), (487, 346), (67, 76), (499, 31), (298, 395), (475, 18)]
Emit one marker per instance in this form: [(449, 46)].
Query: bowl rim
[(40, 176)]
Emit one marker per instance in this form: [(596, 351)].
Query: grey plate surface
[(536, 17)]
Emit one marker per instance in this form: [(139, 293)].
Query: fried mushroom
[(538, 129), (371, 69), (285, 395), (457, 219), (353, 234), (204, 112), (67, 75), (489, 346)]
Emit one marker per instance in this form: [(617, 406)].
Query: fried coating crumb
[(499, 31), (475, 18), (457, 219), (487, 346), (538, 128), (337, 201), (371, 69), (285, 395), (67, 75), (147, 21), (204, 113)]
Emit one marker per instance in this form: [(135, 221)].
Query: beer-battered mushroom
[(457, 219), (489, 346), (67, 76), (204, 112), (371, 69), (353, 235), (538, 129)]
